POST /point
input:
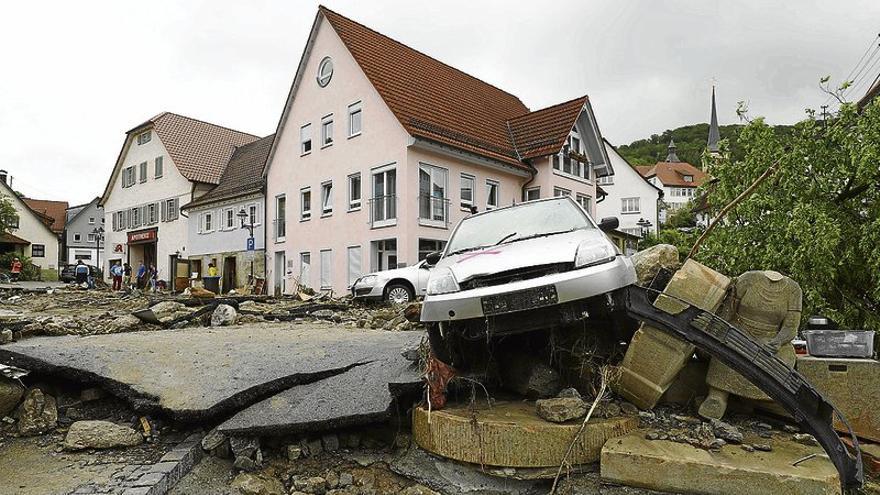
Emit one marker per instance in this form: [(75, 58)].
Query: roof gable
[(55, 212), (673, 174), (635, 168), (243, 174), (543, 132)]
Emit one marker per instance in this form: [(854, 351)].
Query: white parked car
[(399, 286)]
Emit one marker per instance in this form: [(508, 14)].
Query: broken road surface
[(193, 374)]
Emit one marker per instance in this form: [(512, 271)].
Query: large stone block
[(681, 468), (852, 385), (654, 358), (510, 434)]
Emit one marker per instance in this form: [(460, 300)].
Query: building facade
[(381, 150), (165, 163), (629, 196), (215, 228), (31, 234), (83, 234), (678, 180)]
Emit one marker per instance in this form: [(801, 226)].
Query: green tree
[(816, 219), (8, 215)]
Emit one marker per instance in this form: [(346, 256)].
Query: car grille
[(516, 275)]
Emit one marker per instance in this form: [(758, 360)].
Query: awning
[(7, 238)]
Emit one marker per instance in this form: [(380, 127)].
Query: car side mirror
[(433, 258), (609, 223)]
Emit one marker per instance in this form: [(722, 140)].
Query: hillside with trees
[(690, 141)]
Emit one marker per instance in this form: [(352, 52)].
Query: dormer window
[(688, 178), (144, 138)]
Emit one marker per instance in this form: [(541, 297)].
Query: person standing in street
[(154, 277), (116, 272), (82, 273), (16, 269), (141, 276), (126, 276)]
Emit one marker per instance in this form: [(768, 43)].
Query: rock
[(201, 293), (5, 336), (561, 409), (528, 375), (652, 435), (763, 426), (412, 353), (224, 315), (315, 485), (726, 431), (413, 312), (247, 453), (791, 429), (312, 448), (166, 308), (332, 479), (629, 409), (717, 444), (247, 305), (650, 261), (257, 484), (125, 323), (37, 414), (346, 479), (294, 452), (11, 393), (763, 447), (324, 314), (418, 490), (747, 447), (611, 410), (213, 440), (569, 393), (100, 435)]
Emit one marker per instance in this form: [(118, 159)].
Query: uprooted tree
[(816, 218)]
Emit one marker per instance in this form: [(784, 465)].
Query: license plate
[(537, 297)]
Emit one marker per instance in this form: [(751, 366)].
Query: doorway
[(384, 255), (229, 276), (280, 273)]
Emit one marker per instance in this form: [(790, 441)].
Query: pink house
[(381, 150)]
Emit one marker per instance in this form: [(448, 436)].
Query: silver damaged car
[(530, 266)]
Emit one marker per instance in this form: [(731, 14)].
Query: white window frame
[(91, 220), (490, 183), (142, 172), (327, 131), (90, 237), (355, 109), (466, 204), (305, 258), (228, 215), (605, 180), (128, 176), (281, 219), (626, 205), (561, 191), (172, 206), (328, 263), (383, 171), (253, 211), (581, 172), (327, 198), (530, 190), (305, 139), (152, 216), (158, 167), (77, 237), (355, 204), (305, 214), (585, 198), (437, 176), (206, 222), (121, 223), (134, 217), (144, 138)]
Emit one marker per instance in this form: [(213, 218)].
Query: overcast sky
[(75, 75)]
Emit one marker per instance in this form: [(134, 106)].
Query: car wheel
[(399, 294)]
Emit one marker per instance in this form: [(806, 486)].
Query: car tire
[(399, 294)]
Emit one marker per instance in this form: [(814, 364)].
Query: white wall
[(32, 229), (172, 236), (628, 183), (221, 239)]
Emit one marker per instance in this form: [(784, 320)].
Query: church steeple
[(714, 133), (670, 155)]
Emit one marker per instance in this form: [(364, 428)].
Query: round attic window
[(325, 72)]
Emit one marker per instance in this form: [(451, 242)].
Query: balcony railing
[(434, 211), (383, 211), (279, 226)]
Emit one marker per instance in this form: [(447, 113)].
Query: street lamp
[(645, 225), (99, 236), (243, 215)]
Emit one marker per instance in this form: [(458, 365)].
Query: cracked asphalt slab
[(361, 395), (196, 374)]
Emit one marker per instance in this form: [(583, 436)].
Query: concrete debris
[(223, 315), (246, 452), (11, 393), (100, 435), (561, 409), (37, 414), (726, 432), (201, 372), (257, 484), (213, 440), (6, 336)]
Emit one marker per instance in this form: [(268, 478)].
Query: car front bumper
[(368, 292), (530, 294)]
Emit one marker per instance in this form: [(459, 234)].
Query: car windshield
[(513, 224)]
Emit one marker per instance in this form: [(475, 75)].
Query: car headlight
[(593, 252), (442, 281), (367, 281)]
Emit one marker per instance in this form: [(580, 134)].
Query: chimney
[(3, 176)]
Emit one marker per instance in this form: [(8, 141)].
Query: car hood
[(558, 248), (405, 272)]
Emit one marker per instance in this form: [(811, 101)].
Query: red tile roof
[(671, 174), (55, 212), (243, 174), (200, 150), (437, 102)]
